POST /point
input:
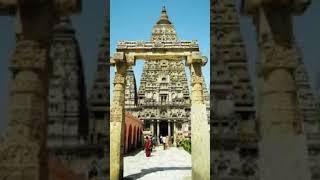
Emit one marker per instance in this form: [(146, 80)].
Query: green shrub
[(186, 144)]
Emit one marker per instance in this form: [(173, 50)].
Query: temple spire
[(164, 29), (164, 19)]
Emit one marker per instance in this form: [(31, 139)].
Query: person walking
[(172, 139), (147, 146), (153, 143), (164, 142)]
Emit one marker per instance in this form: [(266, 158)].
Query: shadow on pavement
[(133, 153), (152, 170)]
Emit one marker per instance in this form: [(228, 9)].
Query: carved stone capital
[(130, 58), (295, 6), (29, 55), (118, 57), (196, 58), (278, 57), (67, 7)]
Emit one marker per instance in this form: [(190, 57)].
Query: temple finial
[(164, 19)]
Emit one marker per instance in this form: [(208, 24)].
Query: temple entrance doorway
[(163, 128)]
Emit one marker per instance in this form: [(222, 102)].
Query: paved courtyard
[(170, 164)]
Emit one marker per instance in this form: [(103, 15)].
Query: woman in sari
[(147, 145)]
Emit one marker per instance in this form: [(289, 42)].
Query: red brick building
[(133, 132)]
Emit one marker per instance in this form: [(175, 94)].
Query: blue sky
[(133, 20)]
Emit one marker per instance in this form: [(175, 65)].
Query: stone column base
[(200, 142)]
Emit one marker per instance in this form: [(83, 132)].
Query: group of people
[(151, 142), (165, 140)]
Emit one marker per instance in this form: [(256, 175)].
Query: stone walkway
[(170, 164)]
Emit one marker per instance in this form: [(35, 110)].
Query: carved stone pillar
[(117, 120), (200, 135), (24, 148), (23, 154), (283, 148), (158, 132)]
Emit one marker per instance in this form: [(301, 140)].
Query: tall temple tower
[(163, 97), (309, 111), (131, 93), (99, 105), (306, 98), (68, 118), (98, 100), (233, 123), (77, 144)]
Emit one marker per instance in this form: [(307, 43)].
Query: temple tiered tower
[(68, 115), (131, 93), (99, 112), (163, 97), (309, 112), (306, 98), (233, 133), (72, 140), (98, 100)]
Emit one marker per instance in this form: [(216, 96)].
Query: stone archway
[(126, 55)]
